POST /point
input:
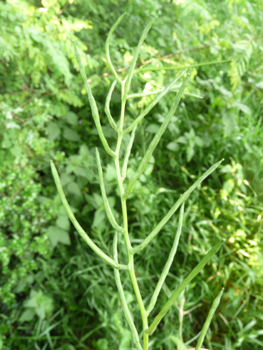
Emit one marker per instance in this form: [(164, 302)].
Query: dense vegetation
[(55, 292)]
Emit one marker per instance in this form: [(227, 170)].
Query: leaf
[(53, 131), (63, 222), (99, 219), (172, 146), (71, 118), (152, 128), (102, 344), (229, 122), (12, 125), (125, 339), (27, 315), (70, 135), (73, 188), (58, 235)]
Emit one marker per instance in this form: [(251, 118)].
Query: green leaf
[(70, 135), (73, 188), (63, 222), (229, 122), (172, 146), (126, 338), (53, 131), (152, 128), (27, 315), (71, 118), (58, 235), (102, 344)]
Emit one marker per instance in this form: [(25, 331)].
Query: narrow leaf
[(127, 154), (77, 226), (107, 48), (122, 297), (155, 140), (136, 54), (153, 103), (183, 285), (107, 107), (104, 196), (206, 325), (168, 263), (151, 68), (93, 105), (177, 204)]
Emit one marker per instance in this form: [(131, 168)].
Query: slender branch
[(77, 226), (127, 154), (208, 320), (183, 285), (168, 263), (107, 107), (122, 297), (125, 226), (153, 103), (107, 48), (104, 196), (93, 105), (155, 140), (177, 204)]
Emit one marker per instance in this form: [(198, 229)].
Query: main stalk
[(143, 312)]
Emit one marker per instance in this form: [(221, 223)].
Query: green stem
[(125, 226), (122, 297)]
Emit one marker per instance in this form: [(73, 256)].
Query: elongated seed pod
[(177, 204), (104, 196), (155, 141), (77, 226), (208, 320), (182, 286), (93, 105)]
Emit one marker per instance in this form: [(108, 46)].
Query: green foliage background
[(55, 293)]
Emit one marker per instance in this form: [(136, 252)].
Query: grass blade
[(151, 68), (153, 103), (208, 320), (135, 57), (155, 140), (107, 48), (104, 196), (182, 286), (93, 105), (177, 204), (122, 297), (107, 107), (168, 263), (77, 226), (127, 154)]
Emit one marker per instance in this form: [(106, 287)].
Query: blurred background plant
[(55, 293)]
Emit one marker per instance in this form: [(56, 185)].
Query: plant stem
[(122, 297), (125, 226)]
